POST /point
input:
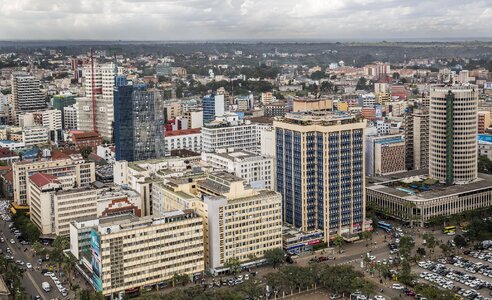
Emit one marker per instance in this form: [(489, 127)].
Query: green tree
[(12, 276), (484, 165), (277, 280), (85, 151), (299, 277), (446, 250), (233, 265), (180, 278), (250, 290), (366, 235), (406, 245), (421, 251), (339, 242), (31, 232), (318, 75), (430, 241), (460, 241), (275, 257), (405, 276)]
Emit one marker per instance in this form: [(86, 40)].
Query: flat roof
[(436, 191)]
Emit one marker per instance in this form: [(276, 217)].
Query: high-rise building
[(320, 172), (70, 118), (104, 82), (417, 139), (453, 126), (26, 94), (139, 123), (213, 105)]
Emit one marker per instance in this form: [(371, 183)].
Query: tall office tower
[(104, 83), (320, 172), (26, 94), (453, 127), (417, 139), (213, 105), (139, 123)]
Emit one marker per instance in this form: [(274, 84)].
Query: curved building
[(453, 133)]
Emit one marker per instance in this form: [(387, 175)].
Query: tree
[(484, 165), (460, 241), (421, 251), (366, 235), (85, 151), (12, 276), (233, 265), (318, 75), (446, 250), (250, 290), (276, 280), (31, 232), (275, 257), (405, 275), (339, 242), (180, 278), (299, 277), (430, 241), (361, 84), (37, 247), (406, 245)]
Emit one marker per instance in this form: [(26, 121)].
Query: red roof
[(9, 176), (42, 179), (86, 135), (182, 132)]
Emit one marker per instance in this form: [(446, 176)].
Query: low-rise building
[(126, 253), (53, 206), (73, 171), (188, 139), (417, 199), (89, 139), (35, 135)]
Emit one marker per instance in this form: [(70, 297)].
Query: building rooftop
[(42, 179), (239, 155), (419, 188), (318, 118)]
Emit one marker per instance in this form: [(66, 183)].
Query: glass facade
[(139, 123), (208, 108)]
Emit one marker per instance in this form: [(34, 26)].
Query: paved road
[(32, 279)]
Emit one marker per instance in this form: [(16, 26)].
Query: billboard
[(487, 86), (96, 260), (379, 111)]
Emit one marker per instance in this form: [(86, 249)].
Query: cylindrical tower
[(453, 133)]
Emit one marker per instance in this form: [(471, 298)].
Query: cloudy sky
[(243, 19)]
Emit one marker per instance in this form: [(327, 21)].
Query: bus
[(385, 226), (449, 229)]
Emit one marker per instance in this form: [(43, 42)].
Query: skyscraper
[(320, 171), (26, 94), (213, 105), (453, 133), (417, 139), (104, 83), (139, 123)]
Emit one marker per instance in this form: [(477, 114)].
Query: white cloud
[(235, 19)]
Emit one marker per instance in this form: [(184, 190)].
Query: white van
[(46, 287)]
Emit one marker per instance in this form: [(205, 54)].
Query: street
[(32, 279)]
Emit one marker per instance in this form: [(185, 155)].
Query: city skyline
[(161, 20)]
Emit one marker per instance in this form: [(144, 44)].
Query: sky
[(243, 19)]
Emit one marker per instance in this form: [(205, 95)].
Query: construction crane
[(93, 89)]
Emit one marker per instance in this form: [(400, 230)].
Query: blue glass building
[(139, 123), (320, 167), (213, 105)]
